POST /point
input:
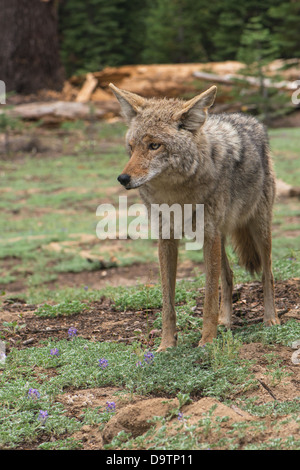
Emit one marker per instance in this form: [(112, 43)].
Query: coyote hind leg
[(270, 314), (261, 232), (225, 313)]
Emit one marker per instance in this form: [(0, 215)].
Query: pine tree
[(228, 30), (174, 33), (133, 24), (285, 21), (231, 19), (257, 50), (91, 34)]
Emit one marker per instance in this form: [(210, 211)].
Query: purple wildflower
[(103, 363), (111, 406), (72, 332), (180, 416), (139, 364), (148, 357), (54, 352), (43, 416), (33, 393)]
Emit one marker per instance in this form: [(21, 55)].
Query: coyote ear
[(193, 113), (130, 102)]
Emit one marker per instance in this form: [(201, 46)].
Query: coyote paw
[(168, 343), (272, 321), (208, 335), (223, 322), (203, 342)]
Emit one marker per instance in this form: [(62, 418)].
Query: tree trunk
[(29, 52)]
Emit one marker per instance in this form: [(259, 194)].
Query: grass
[(65, 308), (46, 200)]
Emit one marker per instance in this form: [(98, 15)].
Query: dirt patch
[(271, 387), (106, 275)]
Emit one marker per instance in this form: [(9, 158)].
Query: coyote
[(180, 154)]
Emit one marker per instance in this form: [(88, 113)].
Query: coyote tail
[(246, 250)]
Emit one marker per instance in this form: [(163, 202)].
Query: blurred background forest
[(97, 33), (45, 42)]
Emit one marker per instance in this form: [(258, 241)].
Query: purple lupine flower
[(148, 357), (111, 406), (33, 393), (72, 332), (103, 363), (180, 416), (43, 416), (54, 352), (139, 364)]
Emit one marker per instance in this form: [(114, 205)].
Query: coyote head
[(161, 138)]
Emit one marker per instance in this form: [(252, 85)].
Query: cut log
[(88, 87)]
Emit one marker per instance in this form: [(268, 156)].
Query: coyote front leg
[(212, 261), (168, 252)]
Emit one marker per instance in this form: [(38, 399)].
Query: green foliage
[(147, 296), (276, 334), (65, 308), (87, 30), (173, 33), (285, 20), (257, 49), (97, 33), (8, 123)]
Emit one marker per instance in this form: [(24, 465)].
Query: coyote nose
[(124, 179)]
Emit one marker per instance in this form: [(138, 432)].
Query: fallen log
[(284, 189), (63, 110), (231, 79)]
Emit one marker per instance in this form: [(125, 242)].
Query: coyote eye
[(154, 146)]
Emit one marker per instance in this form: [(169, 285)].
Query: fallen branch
[(267, 389), (258, 319), (230, 79)]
